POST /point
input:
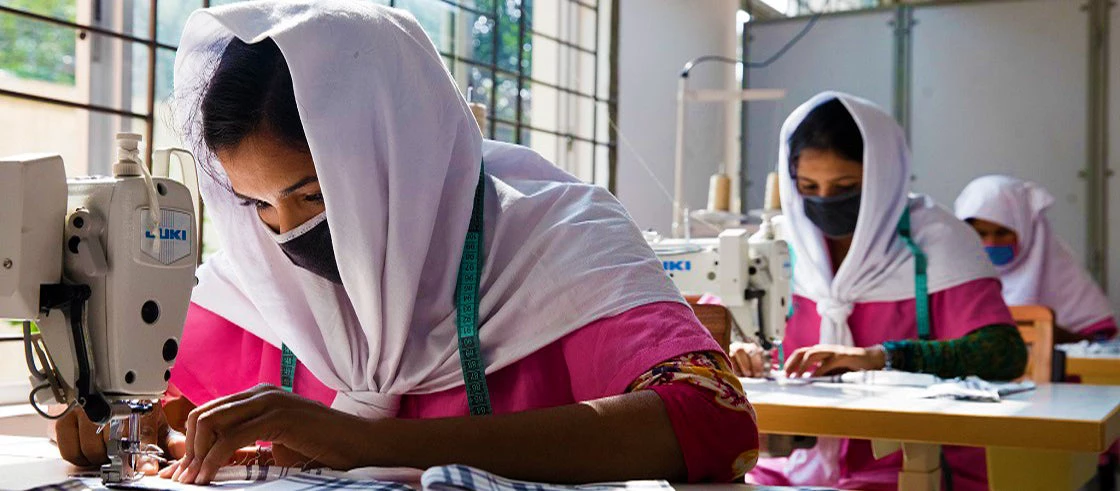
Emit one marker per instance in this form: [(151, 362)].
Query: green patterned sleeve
[(994, 352)]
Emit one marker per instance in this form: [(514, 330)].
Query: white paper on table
[(1086, 349), (891, 378)]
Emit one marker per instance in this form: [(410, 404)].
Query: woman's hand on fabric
[(84, 443), (831, 359), (750, 360), (250, 455), (219, 429)]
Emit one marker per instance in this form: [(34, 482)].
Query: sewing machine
[(103, 267), (750, 274)]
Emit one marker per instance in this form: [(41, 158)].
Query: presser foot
[(125, 451)]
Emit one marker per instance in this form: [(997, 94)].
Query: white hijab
[(878, 267), (397, 154), (1044, 272)]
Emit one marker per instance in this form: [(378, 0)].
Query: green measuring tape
[(287, 368), (466, 317), (466, 307), (921, 281)]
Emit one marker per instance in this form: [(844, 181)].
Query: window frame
[(524, 78)]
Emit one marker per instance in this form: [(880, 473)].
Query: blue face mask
[(1001, 255)]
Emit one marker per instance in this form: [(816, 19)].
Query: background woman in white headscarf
[(356, 199), (845, 171), (1036, 266)]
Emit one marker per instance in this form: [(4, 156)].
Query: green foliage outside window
[(35, 50)]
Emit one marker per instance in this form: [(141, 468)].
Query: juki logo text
[(677, 265), (168, 234)]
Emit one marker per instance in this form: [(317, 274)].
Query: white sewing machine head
[(751, 276), (105, 284)]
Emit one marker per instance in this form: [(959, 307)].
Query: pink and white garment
[(954, 312), (878, 266), (218, 358), (398, 154), (1044, 272)]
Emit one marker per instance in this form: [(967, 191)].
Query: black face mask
[(309, 247), (835, 215)]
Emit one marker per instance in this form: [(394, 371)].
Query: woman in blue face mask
[(882, 278), (1036, 266)]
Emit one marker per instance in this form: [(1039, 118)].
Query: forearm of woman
[(621, 437), (995, 352), (1063, 336)]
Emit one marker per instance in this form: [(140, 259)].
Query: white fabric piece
[(878, 267), (1044, 272), (973, 388), (816, 466), (1086, 349), (397, 153)]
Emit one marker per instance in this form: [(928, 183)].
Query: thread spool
[(479, 112), (719, 192), (773, 197)]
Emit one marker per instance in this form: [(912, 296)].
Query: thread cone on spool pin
[(479, 112), (773, 198), (719, 193)]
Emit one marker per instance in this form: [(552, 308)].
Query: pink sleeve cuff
[(606, 356), (1102, 329), (719, 444)]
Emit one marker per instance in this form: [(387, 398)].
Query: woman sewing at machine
[(1035, 264), (445, 255), (860, 301)]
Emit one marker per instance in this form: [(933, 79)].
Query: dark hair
[(250, 91), (828, 127)]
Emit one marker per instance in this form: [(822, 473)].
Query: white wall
[(1001, 88), (656, 39), (849, 53)]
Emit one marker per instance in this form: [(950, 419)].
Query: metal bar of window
[(612, 93), (562, 42), (500, 71), (480, 64), (97, 30), (454, 40), (555, 133), (76, 105), (150, 120), (567, 90), (595, 105), (583, 4), (495, 46), (465, 8), (520, 70), (532, 81)]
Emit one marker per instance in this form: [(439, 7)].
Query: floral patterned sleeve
[(713, 421)]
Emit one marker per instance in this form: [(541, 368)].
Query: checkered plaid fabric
[(463, 478)]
